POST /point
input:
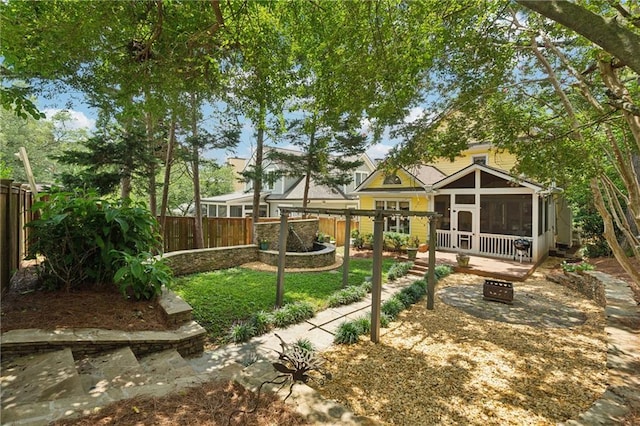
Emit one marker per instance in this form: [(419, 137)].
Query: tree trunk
[(151, 170), (257, 181), (606, 33), (198, 235), (125, 187), (610, 234), (168, 162)]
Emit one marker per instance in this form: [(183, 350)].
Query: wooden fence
[(217, 232), (15, 212), (224, 232)]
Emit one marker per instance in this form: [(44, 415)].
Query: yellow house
[(484, 209)]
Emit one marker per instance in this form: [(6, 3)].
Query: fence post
[(5, 228)]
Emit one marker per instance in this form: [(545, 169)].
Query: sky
[(84, 116)]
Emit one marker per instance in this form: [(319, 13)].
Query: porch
[(491, 245), (502, 269)]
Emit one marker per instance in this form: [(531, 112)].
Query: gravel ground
[(448, 367)]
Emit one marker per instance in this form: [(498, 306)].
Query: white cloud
[(415, 113), (77, 119), (378, 151)]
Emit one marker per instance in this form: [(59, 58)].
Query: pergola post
[(347, 244), (282, 253), (376, 279), (431, 274)]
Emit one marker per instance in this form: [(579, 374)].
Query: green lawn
[(220, 298)]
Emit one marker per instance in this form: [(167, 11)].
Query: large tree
[(565, 108), (327, 155)]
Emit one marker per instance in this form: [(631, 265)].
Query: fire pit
[(498, 291)]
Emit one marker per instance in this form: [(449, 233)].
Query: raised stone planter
[(188, 339)]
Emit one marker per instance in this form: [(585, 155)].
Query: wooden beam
[(376, 279), (431, 274), (282, 255), (347, 246)]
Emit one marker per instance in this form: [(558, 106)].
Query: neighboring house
[(285, 191), (484, 209)]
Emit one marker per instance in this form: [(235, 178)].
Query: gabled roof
[(316, 192), (491, 170), (232, 197), (421, 176)]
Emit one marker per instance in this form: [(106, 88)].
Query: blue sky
[(85, 116)]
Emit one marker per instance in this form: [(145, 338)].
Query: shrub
[(346, 296), (141, 274), (413, 293), (305, 344), (442, 271), (261, 322), (292, 313), (398, 270), (392, 307), (395, 240), (364, 324), (577, 267), (422, 283), (357, 239), (348, 332), (384, 320), (404, 298), (83, 237), (241, 332)]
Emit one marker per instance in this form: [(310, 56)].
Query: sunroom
[(485, 211)]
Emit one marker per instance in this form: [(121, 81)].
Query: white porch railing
[(443, 239), (497, 245), (493, 245)]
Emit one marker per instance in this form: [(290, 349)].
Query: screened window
[(235, 211), (466, 181), (465, 199), (487, 180), (506, 214), (443, 207)]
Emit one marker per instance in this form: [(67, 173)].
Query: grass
[(223, 298)]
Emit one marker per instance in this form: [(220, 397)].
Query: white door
[(462, 229)]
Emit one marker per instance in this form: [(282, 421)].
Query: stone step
[(39, 378), (416, 272), (114, 369), (166, 366)]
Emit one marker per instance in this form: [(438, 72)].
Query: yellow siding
[(407, 180), (417, 203), (500, 160)]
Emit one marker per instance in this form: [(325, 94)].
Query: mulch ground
[(26, 306), (213, 403), (448, 367)]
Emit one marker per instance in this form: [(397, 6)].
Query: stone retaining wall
[(186, 262), (302, 234), (187, 340), (582, 282), (326, 256)]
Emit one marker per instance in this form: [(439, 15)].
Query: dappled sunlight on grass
[(221, 298)]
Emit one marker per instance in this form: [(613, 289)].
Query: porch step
[(420, 268)]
